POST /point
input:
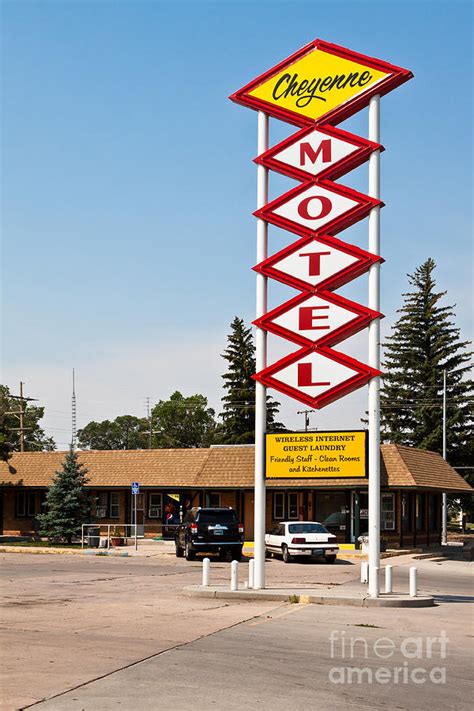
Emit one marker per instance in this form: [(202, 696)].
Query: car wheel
[(331, 559), (285, 554), (268, 554), (179, 550), (236, 554), (223, 553), (189, 551)]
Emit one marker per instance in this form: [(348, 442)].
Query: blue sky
[(128, 186)]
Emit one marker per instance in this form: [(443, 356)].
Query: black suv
[(210, 530)]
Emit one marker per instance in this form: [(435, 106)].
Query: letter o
[(326, 207)]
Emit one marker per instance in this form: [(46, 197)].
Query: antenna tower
[(73, 412)]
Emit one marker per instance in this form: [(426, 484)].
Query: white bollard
[(234, 575), (364, 572), (206, 566), (375, 582), (251, 572), (413, 582), (388, 578)]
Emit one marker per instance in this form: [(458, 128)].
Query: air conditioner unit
[(101, 512), (154, 512)]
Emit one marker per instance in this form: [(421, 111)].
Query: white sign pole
[(135, 517), (374, 355), (444, 499), (261, 363)]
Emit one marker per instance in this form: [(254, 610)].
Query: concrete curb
[(40, 551), (61, 551), (385, 600)]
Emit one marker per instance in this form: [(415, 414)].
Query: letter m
[(307, 151)]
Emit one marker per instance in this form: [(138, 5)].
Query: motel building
[(172, 480)]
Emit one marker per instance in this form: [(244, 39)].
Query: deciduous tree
[(183, 422), (125, 432)]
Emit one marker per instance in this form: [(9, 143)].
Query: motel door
[(360, 508), (140, 514)]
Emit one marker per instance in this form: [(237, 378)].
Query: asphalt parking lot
[(118, 633)]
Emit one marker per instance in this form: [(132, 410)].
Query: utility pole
[(148, 414), (306, 414), (20, 414)]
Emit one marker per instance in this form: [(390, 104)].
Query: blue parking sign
[(135, 488)]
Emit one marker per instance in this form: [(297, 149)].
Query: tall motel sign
[(315, 89)]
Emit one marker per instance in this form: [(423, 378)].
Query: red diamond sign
[(317, 319), (315, 263), (318, 153), (316, 377), (321, 83), (325, 207)]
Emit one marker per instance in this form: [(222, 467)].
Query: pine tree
[(424, 343), (67, 503), (239, 402)]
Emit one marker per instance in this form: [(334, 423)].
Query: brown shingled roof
[(221, 467), (150, 467), (427, 469)]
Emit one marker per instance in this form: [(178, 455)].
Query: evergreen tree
[(238, 418), (424, 343), (67, 503)]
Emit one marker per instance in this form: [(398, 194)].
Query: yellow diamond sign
[(320, 83)]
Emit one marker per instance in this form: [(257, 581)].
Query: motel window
[(331, 508), (293, 505), (213, 499), (285, 505), (155, 505), (107, 504), (388, 512), (278, 505), (101, 505), (25, 504), (114, 505)]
